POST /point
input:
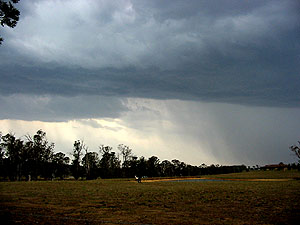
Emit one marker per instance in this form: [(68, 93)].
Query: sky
[(214, 82)]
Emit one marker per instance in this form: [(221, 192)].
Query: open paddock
[(121, 201)]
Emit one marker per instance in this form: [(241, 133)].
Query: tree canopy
[(9, 15), (33, 158)]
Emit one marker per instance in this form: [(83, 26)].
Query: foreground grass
[(269, 174), (127, 202)]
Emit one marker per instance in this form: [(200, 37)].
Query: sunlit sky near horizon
[(214, 82)]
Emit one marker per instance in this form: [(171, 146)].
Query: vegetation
[(34, 158), (260, 174), (9, 15), (122, 201), (31, 158), (296, 150)]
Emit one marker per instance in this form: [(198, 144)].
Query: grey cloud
[(269, 87), (229, 133), (57, 108), (246, 53), (255, 134), (145, 41), (207, 10)]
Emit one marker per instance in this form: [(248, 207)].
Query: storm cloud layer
[(220, 51), (202, 81)]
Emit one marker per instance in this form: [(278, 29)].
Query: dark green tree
[(9, 15), (13, 148), (132, 169), (153, 167), (141, 167), (127, 155), (90, 162), (179, 167), (2, 152), (38, 155), (167, 168), (3, 171), (60, 164), (109, 163), (78, 149)]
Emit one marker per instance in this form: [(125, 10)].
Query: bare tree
[(126, 153), (296, 150)]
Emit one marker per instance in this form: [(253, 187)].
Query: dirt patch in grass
[(212, 179), (168, 179)]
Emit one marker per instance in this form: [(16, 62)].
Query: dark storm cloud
[(58, 109), (222, 51)]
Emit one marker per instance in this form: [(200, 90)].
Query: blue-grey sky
[(206, 81)]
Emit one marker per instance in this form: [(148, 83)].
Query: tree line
[(33, 158)]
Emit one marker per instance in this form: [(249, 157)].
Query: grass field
[(122, 201)]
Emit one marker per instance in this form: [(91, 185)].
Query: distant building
[(280, 166)]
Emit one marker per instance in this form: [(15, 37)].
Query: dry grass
[(269, 174), (126, 202)]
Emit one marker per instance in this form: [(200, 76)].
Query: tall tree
[(167, 168), (39, 153), (9, 15), (141, 167), (131, 170), (177, 167), (2, 152), (109, 163), (2, 157), (78, 149), (13, 148), (60, 164), (90, 162), (153, 167), (126, 153)]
